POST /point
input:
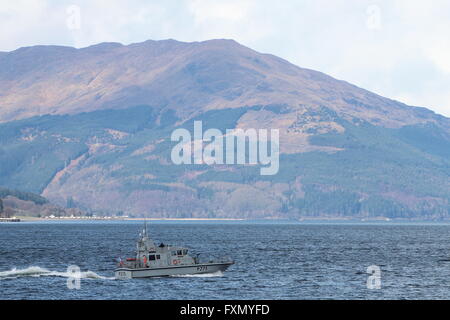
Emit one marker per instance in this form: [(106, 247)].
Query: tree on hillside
[(8, 212), (5, 212)]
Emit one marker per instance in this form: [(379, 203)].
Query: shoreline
[(34, 219), (273, 219)]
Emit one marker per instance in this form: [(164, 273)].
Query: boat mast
[(145, 226)]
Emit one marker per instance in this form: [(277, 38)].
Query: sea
[(273, 260)]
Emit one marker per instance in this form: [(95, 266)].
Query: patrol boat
[(165, 260)]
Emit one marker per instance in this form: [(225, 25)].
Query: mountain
[(92, 127)]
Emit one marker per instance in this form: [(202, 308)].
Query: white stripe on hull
[(124, 273)]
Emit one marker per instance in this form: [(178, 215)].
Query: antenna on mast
[(145, 226)]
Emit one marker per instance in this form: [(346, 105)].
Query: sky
[(399, 49)]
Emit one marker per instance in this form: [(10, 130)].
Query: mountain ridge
[(154, 49)]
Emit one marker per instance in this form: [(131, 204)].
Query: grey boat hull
[(129, 273)]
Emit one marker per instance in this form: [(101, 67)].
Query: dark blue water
[(273, 260)]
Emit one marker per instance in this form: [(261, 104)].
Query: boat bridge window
[(180, 252), (174, 253), (151, 257), (158, 257), (185, 252)]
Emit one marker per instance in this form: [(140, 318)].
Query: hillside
[(91, 127), (19, 203)]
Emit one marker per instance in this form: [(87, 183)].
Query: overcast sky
[(399, 49)]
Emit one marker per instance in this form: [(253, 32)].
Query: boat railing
[(130, 263)]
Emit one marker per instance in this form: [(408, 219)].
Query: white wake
[(35, 271)]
